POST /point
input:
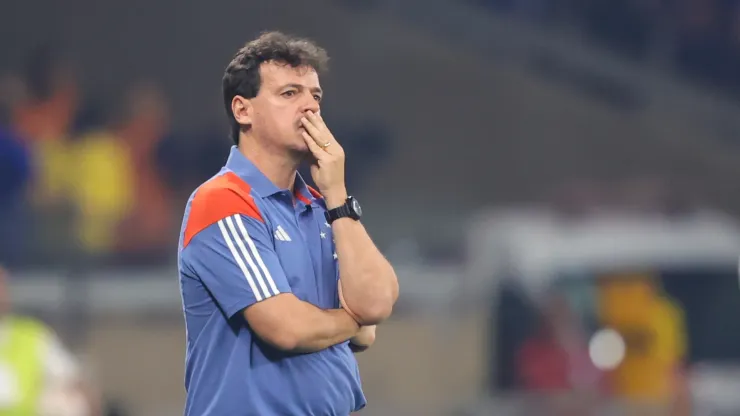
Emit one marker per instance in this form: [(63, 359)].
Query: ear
[(242, 109)]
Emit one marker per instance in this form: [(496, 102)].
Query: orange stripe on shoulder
[(221, 197), (314, 192)]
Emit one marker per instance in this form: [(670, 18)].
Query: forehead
[(276, 74)]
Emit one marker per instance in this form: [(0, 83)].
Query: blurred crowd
[(90, 179), (87, 178), (599, 311), (700, 38), (556, 352)]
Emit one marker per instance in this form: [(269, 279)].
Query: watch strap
[(339, 212)]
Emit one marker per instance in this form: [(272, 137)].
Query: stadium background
[(592, 114)]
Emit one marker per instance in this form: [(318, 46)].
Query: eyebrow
[(301, 87)]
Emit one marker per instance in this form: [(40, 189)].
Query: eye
[(317, 97), (288, 93)]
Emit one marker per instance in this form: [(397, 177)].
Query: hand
[(328, 170), (364, 339)]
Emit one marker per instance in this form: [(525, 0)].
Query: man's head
[(269, 84)]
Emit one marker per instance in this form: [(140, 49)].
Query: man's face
[(285, 95)]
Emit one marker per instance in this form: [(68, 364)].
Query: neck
[(277, 165)]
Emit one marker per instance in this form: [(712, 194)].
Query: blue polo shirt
[(244, 240)]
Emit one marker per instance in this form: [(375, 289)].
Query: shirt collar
[(264, 187)]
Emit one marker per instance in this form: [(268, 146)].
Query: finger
[(321, 119), (316, 120), (315, 149), (318, 138)]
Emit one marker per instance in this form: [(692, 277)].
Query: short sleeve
[(234, 258)]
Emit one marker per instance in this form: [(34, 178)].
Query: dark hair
[(242, 75)]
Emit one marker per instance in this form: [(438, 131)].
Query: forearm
[(320, 329), (291, 324), (368, 280), (369, 283)]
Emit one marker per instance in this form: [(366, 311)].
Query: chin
[(300, 151), (300, 147)]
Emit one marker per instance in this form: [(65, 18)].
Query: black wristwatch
[(351, 209)]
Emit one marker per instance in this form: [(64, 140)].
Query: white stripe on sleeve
[(257, 256), (243, 250), (239, 261)]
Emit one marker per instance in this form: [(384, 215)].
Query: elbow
[(373, 306), (374, 313)]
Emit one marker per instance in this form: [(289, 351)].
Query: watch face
[(356, 207)]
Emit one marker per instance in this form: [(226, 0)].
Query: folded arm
[(290, 324), (365, 337), (369, 283), (235, 261)]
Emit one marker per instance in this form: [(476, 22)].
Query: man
[(38, 376), (270, 325)]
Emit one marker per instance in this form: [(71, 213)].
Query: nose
[(310, 104)]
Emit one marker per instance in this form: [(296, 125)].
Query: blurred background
[(556, 182)]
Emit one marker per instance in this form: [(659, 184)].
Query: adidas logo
[(281, 235)]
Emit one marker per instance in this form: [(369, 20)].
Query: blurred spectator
[(555, 362), (15, 173), (654, 331), (38, 376), (147, 231), (99, 183), (51, 104), (555, 359), (121, 201), (45, 117)]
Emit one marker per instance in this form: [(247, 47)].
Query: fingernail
[(303, 119)]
